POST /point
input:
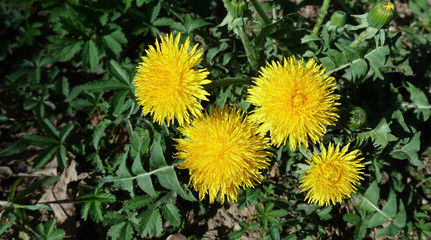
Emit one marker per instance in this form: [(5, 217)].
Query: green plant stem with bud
[(252, 55), (322, 15)]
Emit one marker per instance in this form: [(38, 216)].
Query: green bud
[(358, 118), (236, 8), (381, 14), (338, 18)]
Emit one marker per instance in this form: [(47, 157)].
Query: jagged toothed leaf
[(63, 48), (409, 151), (92, 203), (47, 231), (151, 223), (117, 102), (377, 58), (113, 217), (171, 214), (115, 69), (138, 202)]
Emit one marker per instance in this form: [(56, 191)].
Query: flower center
[(331, 173), (298, 100)]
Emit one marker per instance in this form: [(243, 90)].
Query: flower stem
[(261, 12), (228, 81), (322, 14), (252, 56)]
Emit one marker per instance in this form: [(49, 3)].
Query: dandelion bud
[(358, 118), (338, 18), (236, 8), (381, 14)]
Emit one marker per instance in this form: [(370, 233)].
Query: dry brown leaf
[(58, 196)]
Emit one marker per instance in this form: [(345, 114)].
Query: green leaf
[(381, 135), (420, 100), (117, 102), (113, 218), (105, 85), (237, 234), (34, 186), (360, 231), (16, 147), (138, 202), (359, 68), (90, 55), (161, 22), (409, 151), (93, 203), (338, 57), (151, 223), (171, 214), (377, 58), (123, 173), (144, 180), (116, 70), (111, 46), (5, 225), (390, 231), (350, 52), (325, 214), (99, 132), (167, 176), (191, 23), (47, 232), (390, 207), (44, 156), (370, 198), (62, 157), (352, 218), (274, 233), (65, 131), (74, 26), (155, 12), (49, 129), (37, 140), (400, 220), (63, 48)]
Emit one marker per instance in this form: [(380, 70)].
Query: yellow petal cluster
[(223, 152), (332, 176), (167, 85), (294, 102)]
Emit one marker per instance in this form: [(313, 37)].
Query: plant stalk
[(322, 14), (261, 12)]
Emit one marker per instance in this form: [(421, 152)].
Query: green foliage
[(47, 231), (68, 94)]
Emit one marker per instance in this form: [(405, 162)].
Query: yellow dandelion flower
[(294, 101), (167, 85), (223, 152), (332, 176)]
